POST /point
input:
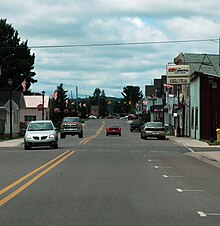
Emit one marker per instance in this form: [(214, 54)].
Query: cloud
[(50, 23)]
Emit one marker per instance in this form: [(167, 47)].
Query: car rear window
[(154, 124)]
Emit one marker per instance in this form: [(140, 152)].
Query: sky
[(69, 33)]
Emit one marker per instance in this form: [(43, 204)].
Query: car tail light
[(161, 129)]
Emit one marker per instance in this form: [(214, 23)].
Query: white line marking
[(155, 160), (163, 167), (213, 214), (201, 214), (166, 176), (188, 190)]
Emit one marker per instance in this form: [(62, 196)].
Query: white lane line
[(202, 214), (163, 167), (166, 176), (155, 160), (188, 190)]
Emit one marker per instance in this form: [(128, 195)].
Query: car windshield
[(40, 126), (71, 120)]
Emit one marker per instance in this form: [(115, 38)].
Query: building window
[(28, 118), (192, 118)]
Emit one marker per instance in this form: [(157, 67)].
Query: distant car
[(93, 117), (40, 133), (135, 126), (153, 129), (111, 117), (113, 129), (131, 117)]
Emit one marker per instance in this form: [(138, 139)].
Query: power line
[(124, 43), (117, 44)]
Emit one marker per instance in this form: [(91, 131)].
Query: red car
[(113, 129)]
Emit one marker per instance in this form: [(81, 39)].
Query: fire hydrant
[(218, 134)]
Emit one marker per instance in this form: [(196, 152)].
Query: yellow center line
[(19, 190), (30, 174), (86, 140)]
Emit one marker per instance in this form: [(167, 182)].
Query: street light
[(211, 80), (10, 82), (43, 94)]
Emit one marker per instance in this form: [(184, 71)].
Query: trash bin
[(218, 134)]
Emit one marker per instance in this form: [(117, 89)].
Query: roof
[(34, 101), (206, 63), (17, 97)]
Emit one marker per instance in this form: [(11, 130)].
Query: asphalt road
[(107, 180)]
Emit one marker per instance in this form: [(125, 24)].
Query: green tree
[(99, 99), (96, 97), (58, 107), (131, 94), (16, 61), (103, 105)]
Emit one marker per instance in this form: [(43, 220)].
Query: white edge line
[(202, 214)]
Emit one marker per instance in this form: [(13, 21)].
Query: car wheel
[(27, 147), (119, 134), (55, 146), (106, 134), (80, 135), (62, 135)]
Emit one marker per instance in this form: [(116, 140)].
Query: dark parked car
[(135, 126), (153, 129), (113, 129)]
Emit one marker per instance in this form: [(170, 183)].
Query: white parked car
[(41, 133), (93, 117)]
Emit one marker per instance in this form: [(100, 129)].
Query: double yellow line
[(86, 140), (50, 165)]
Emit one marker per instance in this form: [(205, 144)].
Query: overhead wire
[(115, 44)]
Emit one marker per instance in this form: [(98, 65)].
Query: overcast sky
[(110, 68)]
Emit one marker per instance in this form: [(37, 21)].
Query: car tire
[(55, 146), (27, 147), (106, 134), (62, 135), (119, 134), (80, 135)]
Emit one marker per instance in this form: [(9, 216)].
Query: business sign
[(178, 74)]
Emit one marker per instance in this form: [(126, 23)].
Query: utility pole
[(77, 107), (43, 94)]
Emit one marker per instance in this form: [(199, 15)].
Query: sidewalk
[(12, 143), (211, 157)]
